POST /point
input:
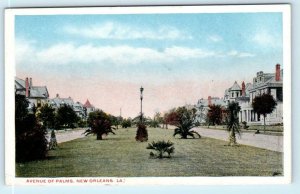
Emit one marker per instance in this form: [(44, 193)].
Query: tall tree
[(232, 121), (263, 105), (30, 136), (66, 116), (215, 114), (46, 115)]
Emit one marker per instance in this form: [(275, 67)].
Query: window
[(38, 103)]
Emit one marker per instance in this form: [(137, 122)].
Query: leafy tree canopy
[(30, 136), (66, 116), (264, 104), (100, 124), (215, 114), (46, 115)]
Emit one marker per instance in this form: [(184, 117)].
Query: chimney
[(26, 87), (209, 100), (243, 89), (30, 82), (277, 73)]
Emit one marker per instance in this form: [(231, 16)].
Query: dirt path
[(269, 142)]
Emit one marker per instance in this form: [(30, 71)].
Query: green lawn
[(120, 155)]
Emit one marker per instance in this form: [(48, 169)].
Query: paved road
[(63, 136), (269, 142)]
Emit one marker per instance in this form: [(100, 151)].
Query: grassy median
[(121, 156)]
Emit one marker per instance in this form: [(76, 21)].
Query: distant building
[(89, 107), (263, 83), (77, 107), (203, 106), (233, 92), (36, 95)]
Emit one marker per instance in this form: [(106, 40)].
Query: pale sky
[(177, 58)]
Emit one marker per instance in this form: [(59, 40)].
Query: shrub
[(126, 123), (161, 147), (141, 133), (153, 123), (53, 142), (245, 126), (31, 142)]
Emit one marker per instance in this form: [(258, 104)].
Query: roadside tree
[(66, 117), (232, 121), (263, 105), (46, 115), (185, 120), (214, 115)]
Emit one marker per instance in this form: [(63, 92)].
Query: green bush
[(141, 133), (126, 123), (161, 147), (31, 142)]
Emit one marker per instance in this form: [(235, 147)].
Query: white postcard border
[(10, 106)]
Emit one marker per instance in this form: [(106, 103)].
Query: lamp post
[(141, 90)]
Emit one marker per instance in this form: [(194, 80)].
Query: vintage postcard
[(161, 95)]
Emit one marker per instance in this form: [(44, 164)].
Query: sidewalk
[(270, 142)]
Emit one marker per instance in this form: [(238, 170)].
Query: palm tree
[(233, 122), (161, 147), (184, 119), (100, 124)]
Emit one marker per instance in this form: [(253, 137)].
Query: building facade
[(77, 107), (89, 107), (263, 83), (36, 95), (202, 107)]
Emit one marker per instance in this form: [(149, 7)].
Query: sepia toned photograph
[(148, 95)]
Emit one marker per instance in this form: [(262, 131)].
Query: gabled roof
[(57, 101), (235, 86), (39, 92), (273, 81), (19, 83), (87, 104)]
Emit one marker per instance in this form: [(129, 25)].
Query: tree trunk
[(232, 138), (99, 136), (264, 123)]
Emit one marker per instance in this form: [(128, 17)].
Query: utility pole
[(141, 90)]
